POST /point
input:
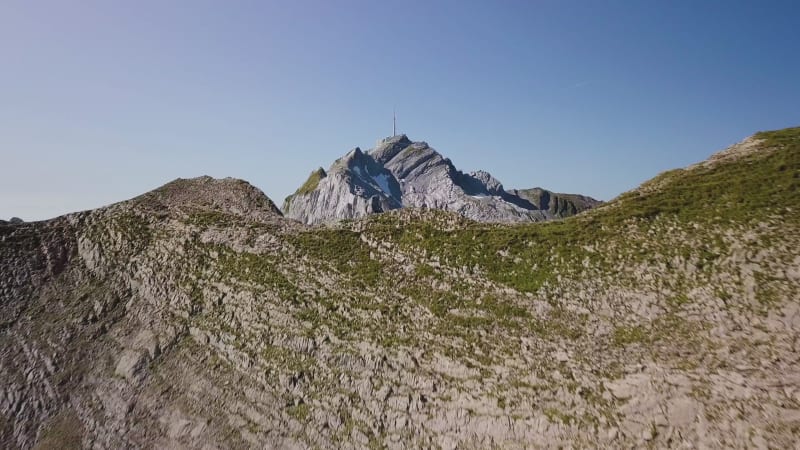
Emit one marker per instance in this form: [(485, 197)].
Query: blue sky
[(103, 100)]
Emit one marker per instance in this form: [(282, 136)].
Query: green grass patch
[(626, 335), (344, 250), (205, 219), (679, 300), (729, 191), (309, 186), (301, 411)]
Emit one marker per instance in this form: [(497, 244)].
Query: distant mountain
[(400, 173)]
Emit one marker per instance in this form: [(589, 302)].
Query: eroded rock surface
[(195, 316)]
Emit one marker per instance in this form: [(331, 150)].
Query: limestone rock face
[(400, 173), (355, 186)]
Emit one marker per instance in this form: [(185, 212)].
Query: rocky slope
[(195, 316), (400, 173)]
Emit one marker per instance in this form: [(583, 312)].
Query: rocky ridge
[(195, 316), (400, 173)]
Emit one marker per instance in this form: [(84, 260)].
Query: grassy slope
[(743, 192), (310, 184), (713, 236), (669, 242), (679, 233)]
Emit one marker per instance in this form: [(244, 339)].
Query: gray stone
[(130, 364)]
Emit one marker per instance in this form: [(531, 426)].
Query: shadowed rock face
[(557, 205), (195, 316), (413, 174)]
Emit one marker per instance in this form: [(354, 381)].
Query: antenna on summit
[(394, 123)]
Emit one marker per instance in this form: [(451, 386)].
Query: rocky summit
[(400, 173), (197, 316)]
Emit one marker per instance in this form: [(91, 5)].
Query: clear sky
[(103, 100)]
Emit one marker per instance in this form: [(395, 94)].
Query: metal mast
[(394, 123)]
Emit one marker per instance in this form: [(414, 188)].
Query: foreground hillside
[(196, 316)]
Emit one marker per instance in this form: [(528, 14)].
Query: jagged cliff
[(195, 316), (400, 173), (354, 186)]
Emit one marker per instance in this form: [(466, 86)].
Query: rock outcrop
[(556, 204), (400, 173), (354, 186), (206, 194)]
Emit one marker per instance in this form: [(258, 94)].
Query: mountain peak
[(399, 173), (354, 157), (205, 193), (398, 138), (387, 148)]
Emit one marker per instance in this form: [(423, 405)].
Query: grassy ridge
[(727, 191), (311, 183), (525, 256)]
